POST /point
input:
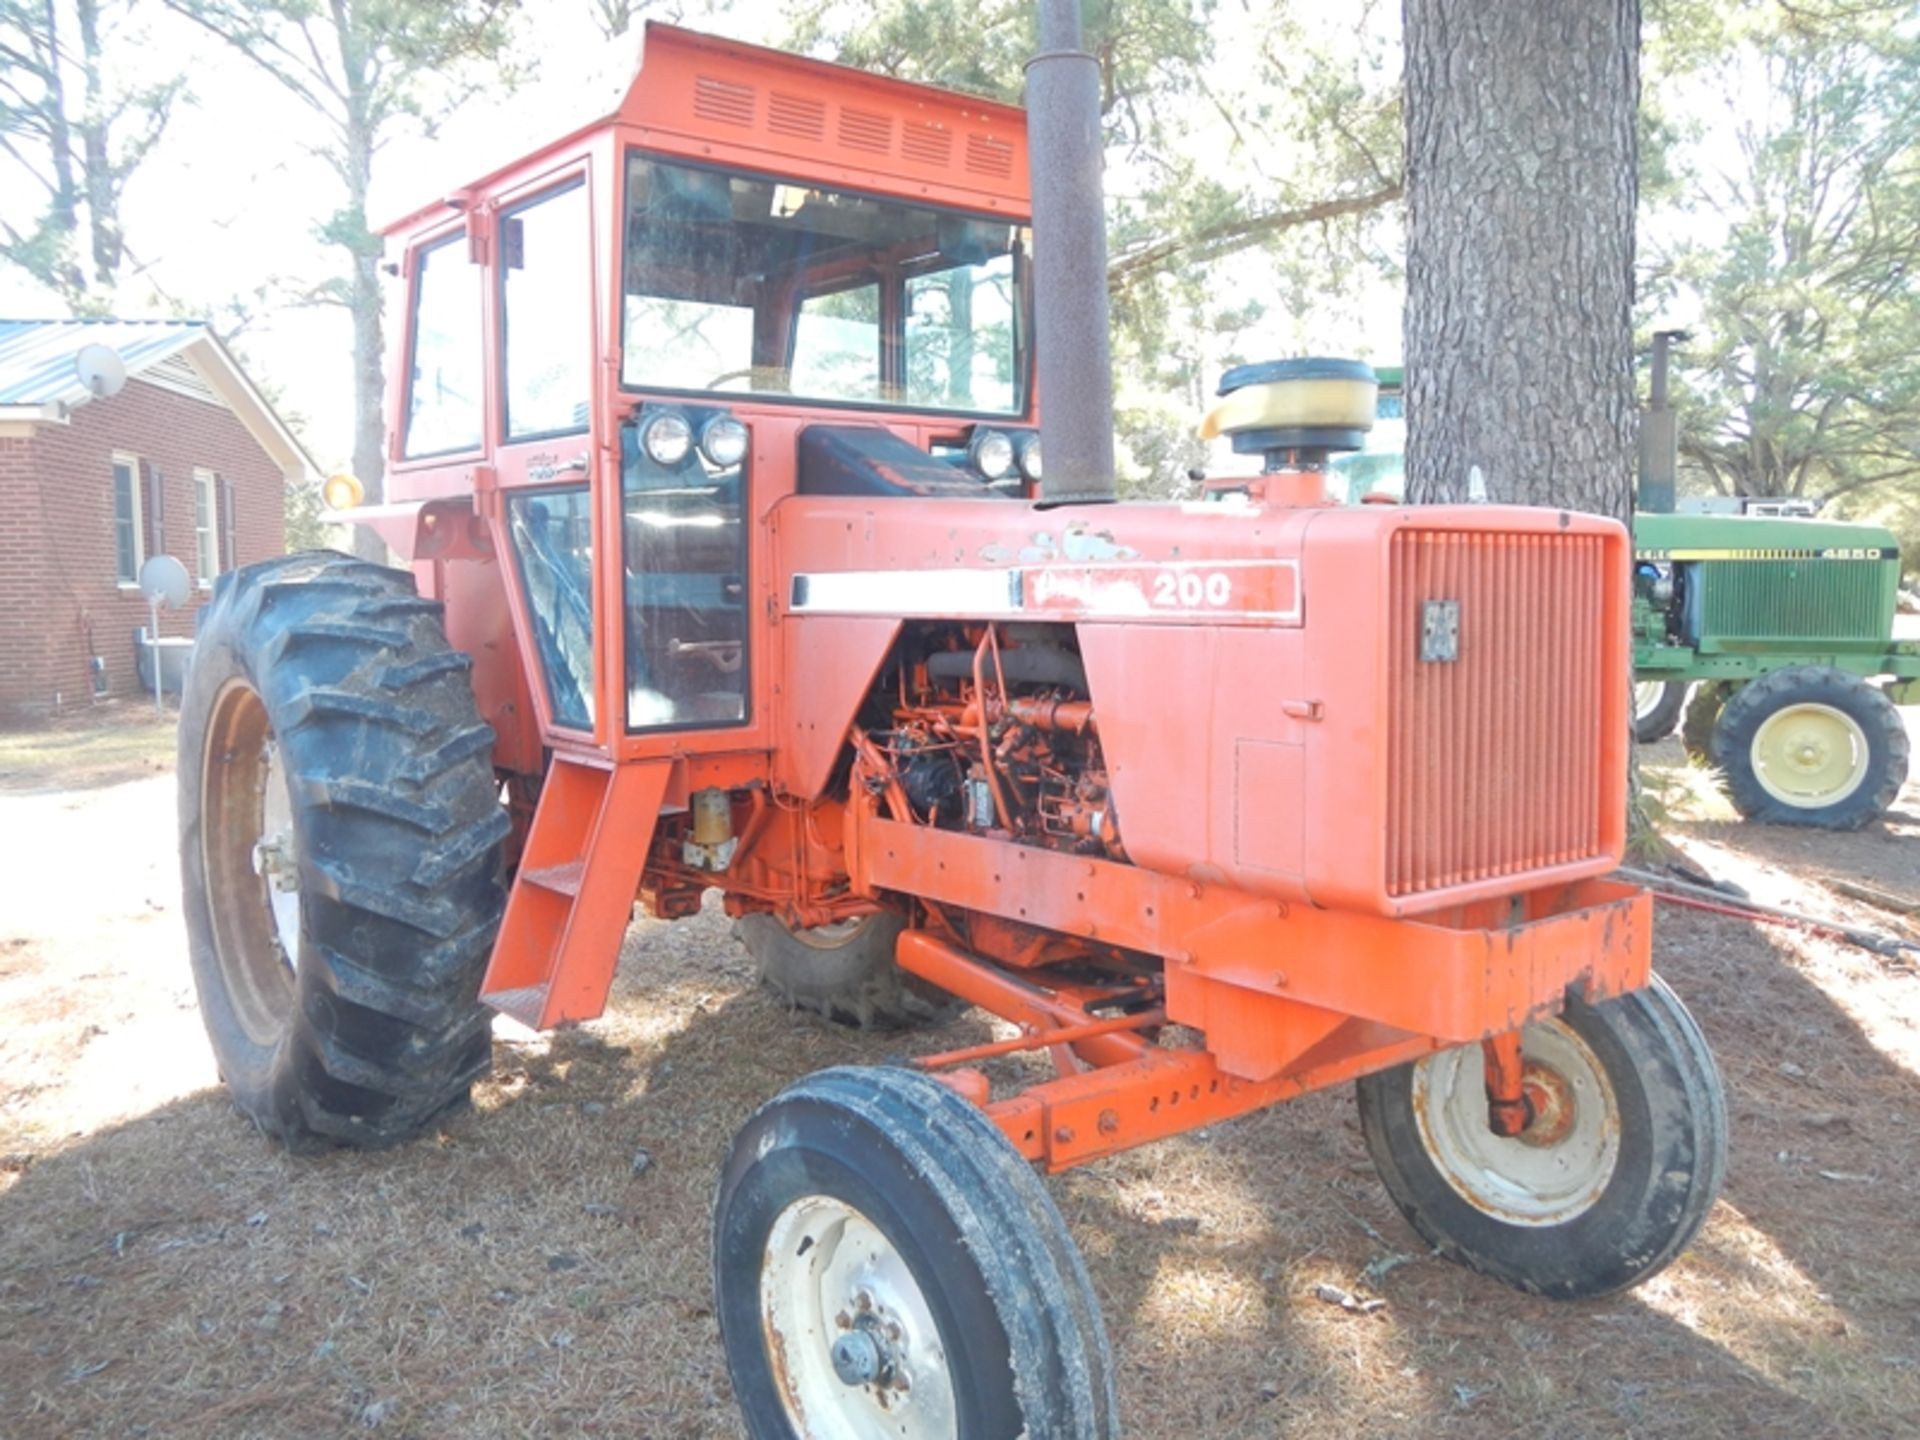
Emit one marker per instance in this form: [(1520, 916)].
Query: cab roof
[(693, 93)]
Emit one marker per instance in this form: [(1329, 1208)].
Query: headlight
[(1028, 452), (723, 440), (991, 453), (342, 491), (666, 437)]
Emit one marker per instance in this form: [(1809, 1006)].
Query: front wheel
[(1614, 1174), (845, 971), (887, 1267), (1656, 708)]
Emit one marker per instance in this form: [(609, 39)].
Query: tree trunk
[(1520, 198), (59, 273), (103, 200), (364, 304)]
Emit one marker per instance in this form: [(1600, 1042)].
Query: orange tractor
[(732, 565)]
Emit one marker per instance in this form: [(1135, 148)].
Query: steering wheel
[(745, 372)]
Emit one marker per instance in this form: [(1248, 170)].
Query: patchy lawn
[(539, 1267), (119, 741)]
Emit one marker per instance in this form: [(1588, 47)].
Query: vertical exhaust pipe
[(1070, 263), (1659, 434)]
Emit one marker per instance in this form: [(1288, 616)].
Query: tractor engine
[(999, 738)]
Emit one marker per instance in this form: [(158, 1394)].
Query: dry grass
[(163, 1272), (106, 745)]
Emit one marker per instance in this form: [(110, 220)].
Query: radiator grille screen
[(1494, 761), (1794, 599)]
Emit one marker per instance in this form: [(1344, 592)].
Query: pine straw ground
[(163, 1272)]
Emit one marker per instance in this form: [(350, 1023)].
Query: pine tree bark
[(364, 301), (1521, 189)]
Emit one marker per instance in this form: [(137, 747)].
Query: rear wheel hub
[(1810, 755)]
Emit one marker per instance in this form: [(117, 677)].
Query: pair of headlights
[(668, 435), (996, 454)]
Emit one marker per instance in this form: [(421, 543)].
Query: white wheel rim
[(1810, 755), (1646, 695), (837, 1302), (1551, 1174), (276, 857)]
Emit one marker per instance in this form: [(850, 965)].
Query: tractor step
[(575, 891), (522, 1005)]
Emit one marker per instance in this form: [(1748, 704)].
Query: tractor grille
[(1840, 600), (1494, 761)]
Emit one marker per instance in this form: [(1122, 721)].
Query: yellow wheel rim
[(1646, 695), (1810, 756)]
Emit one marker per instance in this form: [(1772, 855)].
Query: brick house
[(186, 459)]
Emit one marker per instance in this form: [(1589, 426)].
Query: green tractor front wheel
[(1656, 708)]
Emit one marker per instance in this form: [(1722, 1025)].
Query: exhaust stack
[(1070, 263)]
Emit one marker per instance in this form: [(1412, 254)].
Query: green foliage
[(1244, 144), (1796, 232), (307, 525)]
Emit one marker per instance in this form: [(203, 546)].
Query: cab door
[(543, 307)]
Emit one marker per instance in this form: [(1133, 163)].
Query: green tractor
[(1769, 641)]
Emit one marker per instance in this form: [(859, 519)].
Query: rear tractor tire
[(887, 1267), (1610, 1181), (1811, 746), (845, 972), (1656, 708), (340, 839)]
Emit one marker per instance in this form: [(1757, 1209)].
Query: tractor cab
[(760, 276)]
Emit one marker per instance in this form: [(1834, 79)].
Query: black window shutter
[(229, 533), (154, 503)]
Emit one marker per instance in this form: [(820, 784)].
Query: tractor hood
[(1336, 704)]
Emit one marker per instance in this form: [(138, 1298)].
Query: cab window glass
[(553, 537), (689, 344), (547, 314), (736, 282), (444, 382), (836, 347), (960, 336), (686, 583)]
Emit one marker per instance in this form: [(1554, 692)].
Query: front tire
[(340, 842), (1615, 1174), (844, 972), (1656, 708), (887, 1266), (1811, 746)]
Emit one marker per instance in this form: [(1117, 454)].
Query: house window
[(128, 548), (206, 534)]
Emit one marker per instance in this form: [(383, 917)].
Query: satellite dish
[(101, 370), (163, 580)]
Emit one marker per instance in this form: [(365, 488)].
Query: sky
[(233, 196)]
